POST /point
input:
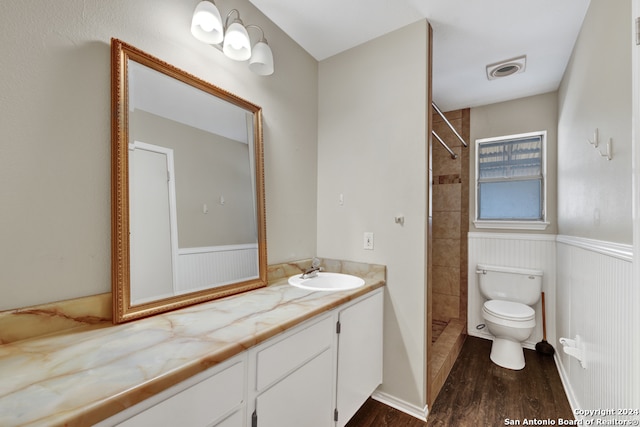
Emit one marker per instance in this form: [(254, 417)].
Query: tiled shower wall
[(450, 205)]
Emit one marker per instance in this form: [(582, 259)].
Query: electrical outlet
[(368, 240)]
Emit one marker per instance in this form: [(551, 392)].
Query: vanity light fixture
[(232, 38), (237, 44), (206, 24), (261, 61)]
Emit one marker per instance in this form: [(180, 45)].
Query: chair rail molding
[(617, 250)]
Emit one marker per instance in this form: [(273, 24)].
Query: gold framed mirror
[(187, 188)]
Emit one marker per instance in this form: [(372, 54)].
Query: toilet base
[(507, 354)]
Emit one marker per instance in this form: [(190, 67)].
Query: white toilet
[(510, 293)]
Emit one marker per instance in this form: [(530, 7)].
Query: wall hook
[(608, 154), (596, 139)]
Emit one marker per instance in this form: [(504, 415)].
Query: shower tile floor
[(437, 327)]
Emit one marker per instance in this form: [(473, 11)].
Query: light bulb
[(206, 24), (237, 45)]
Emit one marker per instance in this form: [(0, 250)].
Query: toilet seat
[(508, 313), (509, 310)]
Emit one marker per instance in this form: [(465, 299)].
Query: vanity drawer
[(287, 354), (200, 405)]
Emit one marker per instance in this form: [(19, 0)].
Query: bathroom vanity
[(274, 356), (315, 374)]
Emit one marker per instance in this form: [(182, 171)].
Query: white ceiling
[(467, 36)]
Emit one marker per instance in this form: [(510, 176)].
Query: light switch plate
[(368, 240)]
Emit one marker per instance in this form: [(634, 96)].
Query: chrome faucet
[(313, 270)]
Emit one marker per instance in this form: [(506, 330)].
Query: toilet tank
[(509, 283)]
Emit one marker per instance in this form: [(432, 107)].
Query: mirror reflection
[(195, 190)]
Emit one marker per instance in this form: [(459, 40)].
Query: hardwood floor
[(479, 393), (376, 414)]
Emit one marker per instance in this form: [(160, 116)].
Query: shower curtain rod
[(435, 107), (446, 147)]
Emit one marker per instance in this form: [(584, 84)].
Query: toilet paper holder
[(574, 348)]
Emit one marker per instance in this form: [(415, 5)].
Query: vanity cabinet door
[(234, 420), (359, 355), (294, 380), (304, 398)]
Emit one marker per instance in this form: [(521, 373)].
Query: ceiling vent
[(506, 68)]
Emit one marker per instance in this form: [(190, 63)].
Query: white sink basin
[(325, 281)]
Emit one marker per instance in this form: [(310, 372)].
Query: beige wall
[(534, 113), (594, 195), (55, 135), (372, 150)]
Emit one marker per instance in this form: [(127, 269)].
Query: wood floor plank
[(376, 414), (480, 393)]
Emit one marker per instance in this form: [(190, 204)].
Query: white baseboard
[(564, 378), (401, 405)]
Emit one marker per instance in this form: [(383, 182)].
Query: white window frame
[(513, 224)]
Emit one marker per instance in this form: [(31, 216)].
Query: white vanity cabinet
[(316, 374), (294, 377), (320, 373), (359, 370)]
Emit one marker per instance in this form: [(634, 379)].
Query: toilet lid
[(509, 310)]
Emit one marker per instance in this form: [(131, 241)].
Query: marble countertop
[(84, 375)]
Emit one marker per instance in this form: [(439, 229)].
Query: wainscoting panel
[(590, 292), (201, 267), (537, 251), (594, 301)]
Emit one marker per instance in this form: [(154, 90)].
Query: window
[(510, 181)]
